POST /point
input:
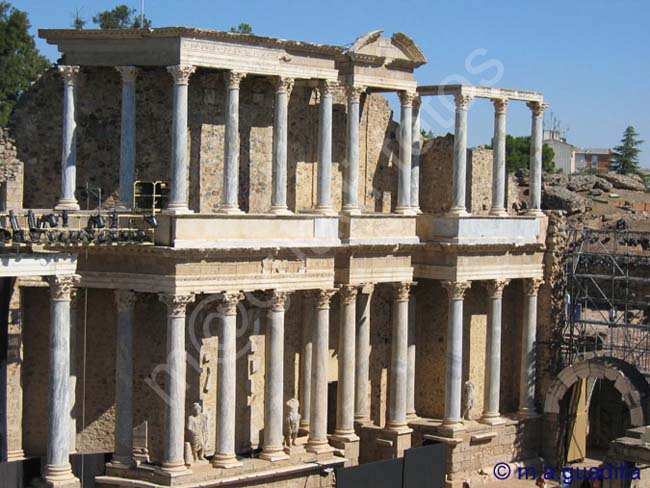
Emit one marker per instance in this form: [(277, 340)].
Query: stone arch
[(627, 380)]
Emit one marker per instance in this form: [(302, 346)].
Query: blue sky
[(588, 57)]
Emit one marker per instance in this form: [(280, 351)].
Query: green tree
[(242, 28), (121, 17), (625, 158), (20, 62), (78, 21), (518, 154)]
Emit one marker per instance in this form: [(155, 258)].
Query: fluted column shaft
[(230, 199), (453, 391), (324, 185), (351, 170), (123, 454), (305, 361), (416, 140), (174, 428), (499, 162), (224, 455), (460, 156), (410, 368), (536, 143), (362, 359), (68, 201), (405, 153), (346, 369), (493, 359), (283, 87), (399, 358), (528, 356), (127, 135)]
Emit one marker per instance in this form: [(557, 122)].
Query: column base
[(453, 424), (120, 462), (17, 455), (417, 209), (351, 210), (67, 205), (172, 470), (60, 476), (325, 210), (349, 443), (492, 419), (274, 454), (535, 212), (394, 441), (498, 212), (405, 210), (457, 212), (527, 413), (343, 436), (280, 210), (225, 461), (319, 447), (177, 210), (123, 207), (229, 209)]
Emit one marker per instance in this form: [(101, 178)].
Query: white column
[(174, 428), (230, 198), (362, 359), (127, 135), (410, 368), (346, 350), (74, 302), (123, 455), (405, 153), (351, 169), (499, 163), (178, 194), (324, 187), (283, 87), (57, 468), (399, 359), (68, 201), (305, 361), (536, 143), (224, 455), (416, 140), (317, 441), (453, 390), (272, 449), (491, 413), (528, 353), (460, 156)]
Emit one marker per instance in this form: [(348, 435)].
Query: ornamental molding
[(495, 287), (125, 300), (62, 286), (176, 304), (531, 286), (69, 73), (128, 73), (456, 289), (233, 79), (181, 73)]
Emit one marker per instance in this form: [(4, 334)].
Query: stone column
[(528, 336), (272, 449), (410, 368), (499, 163), (324, 187), (123, 455), (74, 303), (127, 135), (178, 193), (283, 87), (362, 362), (317, 441), (68, 201), (344, 431), (174, 428), (305, 361), (399, 359), (230, 198), (416, 139), (491, 413), (224, 455), (460, 156), (57, 470), (351, 169), (536, 143), (453, 386), (405, 153)]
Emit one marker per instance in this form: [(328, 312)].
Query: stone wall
[(11, 174), (479, 180)]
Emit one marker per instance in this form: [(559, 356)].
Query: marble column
[(127, 135), (536, 143), (230, 199), (344, 431), (416, 139), (460, 156), (283, 87), (305, 361), (317, 441), (528, 353), (74, 305), (57, 470), (272, 449), (499, 162), (405, 153), (324, 185), (399, 359), (410, 366), (454, 376), (123, 455), (491, 400), (351, 168), (224, 455), (68, 201), (178, 194), (174, 427), (362, 359)]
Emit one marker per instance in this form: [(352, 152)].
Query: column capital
[(322, 297), (456, 289), (62, 286), (537, 108), (406, 98), (353, 93), (129, 73), (495, 287), (125, 300), (283, 84), (69, 73), (531, 286), (462, 101), (402, 290), (500, 105), (327, 87), (276, 299), (176, 304), (227, 302), (181, 73), (233, 79), (348, 294)]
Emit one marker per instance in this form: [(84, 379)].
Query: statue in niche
[(293, 422), (469, 399), (196, 432)]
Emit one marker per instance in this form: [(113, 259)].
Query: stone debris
[(625, 182), (558, 198)]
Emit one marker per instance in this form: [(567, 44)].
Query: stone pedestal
[(393, 443)]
